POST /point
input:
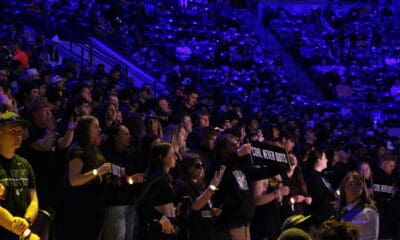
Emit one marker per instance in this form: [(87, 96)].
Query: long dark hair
[(156, 165), (298, 180), (92, 156)]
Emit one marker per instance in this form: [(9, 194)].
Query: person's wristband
[(26, 234), (277, 193), (163, 219), (95, 172), (212, 188)]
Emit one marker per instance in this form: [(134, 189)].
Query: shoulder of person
[(371, 208), (21, 160)]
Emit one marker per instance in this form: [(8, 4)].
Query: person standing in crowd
[(358, 207), (157, 200), (205, 145), (319, 188), (162, 110), (270, 132), (268, 195), (234, 197), (111, 116), (120, 217), (384, 187), (298, 196), (287, 141), (86, 177), (41, 148), (364, 169), (152, 126), (176, 135), (194, 208), (341, 166), (28, 91), (19, 205), (189, 102)]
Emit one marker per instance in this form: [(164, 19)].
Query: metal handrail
[(93, 53)]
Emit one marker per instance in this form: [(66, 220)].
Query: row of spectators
[(350, 52)]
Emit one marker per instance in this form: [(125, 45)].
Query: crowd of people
[(85, 154), (351, 53), (201, 44)]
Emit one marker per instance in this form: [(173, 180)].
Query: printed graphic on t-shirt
[(384, 188), (19, 178), (17, 181), (241, 180)]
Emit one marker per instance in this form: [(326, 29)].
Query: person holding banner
[(234, 196)]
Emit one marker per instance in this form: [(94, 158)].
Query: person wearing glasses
[(194, 209), (18, 199)]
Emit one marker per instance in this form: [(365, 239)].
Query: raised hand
[(218, 176), (244, 150)]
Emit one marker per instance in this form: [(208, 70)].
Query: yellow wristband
[(94, 172)]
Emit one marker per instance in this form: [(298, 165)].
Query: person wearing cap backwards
[(19, 202)]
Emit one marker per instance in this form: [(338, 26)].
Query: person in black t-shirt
[(19, 202), (41, 148), (295, 202), (157, 200), (384, 188), (234, 197), (87, 169), (195, 212), (319, 188), (120, 217)]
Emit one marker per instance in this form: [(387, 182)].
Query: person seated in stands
[(183, 51), (143, 101), (54, 55), (343, 89), (395, 90), (18, 54)]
